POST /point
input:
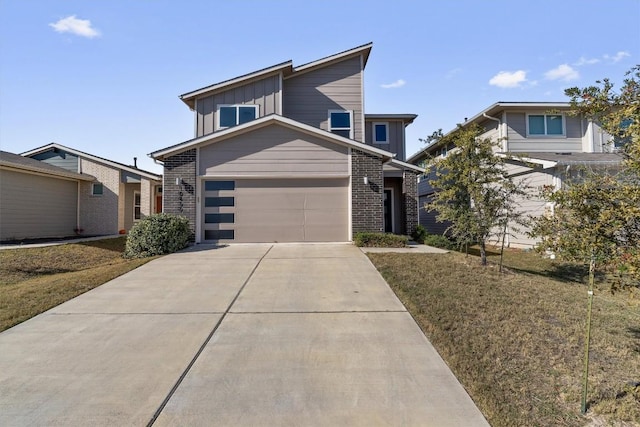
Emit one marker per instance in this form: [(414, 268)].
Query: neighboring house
[(115, 199), (287, 154), (551, 146), (37, 199)]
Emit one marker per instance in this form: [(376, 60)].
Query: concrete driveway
[(284, 334)]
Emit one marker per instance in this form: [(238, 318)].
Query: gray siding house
[(287, 154), (550, 144), (117, 195)]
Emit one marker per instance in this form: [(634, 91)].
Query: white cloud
[(508, 79), (396, 84), (586, 61), (562, 72), (73, 25), (617, 57)]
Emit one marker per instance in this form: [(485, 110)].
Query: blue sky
[(104, 76)]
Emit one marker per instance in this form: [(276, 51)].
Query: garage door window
[(219, 218), (219, 185), (213, 202), (218, 234)]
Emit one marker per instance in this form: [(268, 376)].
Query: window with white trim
[(545, 125), (97, 189), (232, 115), (137, 203), (380, 131), (341, 123)]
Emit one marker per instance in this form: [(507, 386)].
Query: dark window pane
[(554, 125), (136, 213), (344, 133), (340, 120), (218, 234), (219, 218), (381, 133), (536, 125), (219, 185), (227, 116), (219, 201), (97, 190), (246, 114)]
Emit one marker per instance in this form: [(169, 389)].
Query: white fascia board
[(406, 165), (96, 159), (265, 121), (364, 49), (546, 164)]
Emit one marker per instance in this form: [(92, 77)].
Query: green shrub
[(380, 240), (157, 234), (439, 241), (419, 234)]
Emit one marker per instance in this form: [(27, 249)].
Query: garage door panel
[(285, 210)]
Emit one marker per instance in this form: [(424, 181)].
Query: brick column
[(366, 199), (410, 201), (181, 199)]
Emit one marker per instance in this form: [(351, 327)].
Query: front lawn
[(516, 340), (33, 280)]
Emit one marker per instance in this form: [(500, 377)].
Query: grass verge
[(515, 340), (33, 280)]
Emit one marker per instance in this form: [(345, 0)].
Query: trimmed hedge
[(157, 234), (439, 241), (380, 240)]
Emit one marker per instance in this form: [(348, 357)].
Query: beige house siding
[(519, 142), (146, 198), (308, 97), (35, 206), (266, 93), (274, 150), (99, 214)]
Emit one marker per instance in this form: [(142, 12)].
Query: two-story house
[(287, 154), (550, 144)]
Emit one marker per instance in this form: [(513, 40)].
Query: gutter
[(500, 137)]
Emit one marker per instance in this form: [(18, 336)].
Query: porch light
[(366, 180)]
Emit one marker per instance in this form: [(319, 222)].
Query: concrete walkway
[(242, 335)]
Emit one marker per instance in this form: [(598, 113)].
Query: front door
[(388, 206)]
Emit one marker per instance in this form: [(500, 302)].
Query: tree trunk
[(483, 253)]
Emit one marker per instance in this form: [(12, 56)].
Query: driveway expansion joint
[(204, 344)]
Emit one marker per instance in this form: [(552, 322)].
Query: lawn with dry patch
[(33, 280), (515, 340)]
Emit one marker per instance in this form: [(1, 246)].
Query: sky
[(104, 76)]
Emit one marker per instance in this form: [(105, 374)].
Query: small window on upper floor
[(341, 123), (545, 125), (380, 133), (232, 115), (97, 189)]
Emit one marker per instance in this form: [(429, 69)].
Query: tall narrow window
[(341, 123), (232, 115), (380, 133), (137, 212)]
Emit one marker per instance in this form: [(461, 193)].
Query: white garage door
[(275, 210)]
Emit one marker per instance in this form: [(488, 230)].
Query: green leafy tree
[(473, 189)]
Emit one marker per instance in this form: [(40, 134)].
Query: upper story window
[(341, 123), (380, 132), (232, 115), (545, 125)]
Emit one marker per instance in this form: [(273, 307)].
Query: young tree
[(473, 189)]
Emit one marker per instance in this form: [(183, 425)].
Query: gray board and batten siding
[(309, 96), (396, 143), (275, 151), (266, 93), (59, 158), (37, 206)]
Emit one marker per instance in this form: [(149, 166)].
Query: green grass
[(33, 280), (515, 340)]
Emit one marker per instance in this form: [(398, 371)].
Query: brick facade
[(181, 199), (410, 201), (99, 214), (366, 199)]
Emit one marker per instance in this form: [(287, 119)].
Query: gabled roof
[(490, 111), (406, 118), (266, 121), (190, 97), (97, 159), (286, 68), (15, 161), (404, 165)]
